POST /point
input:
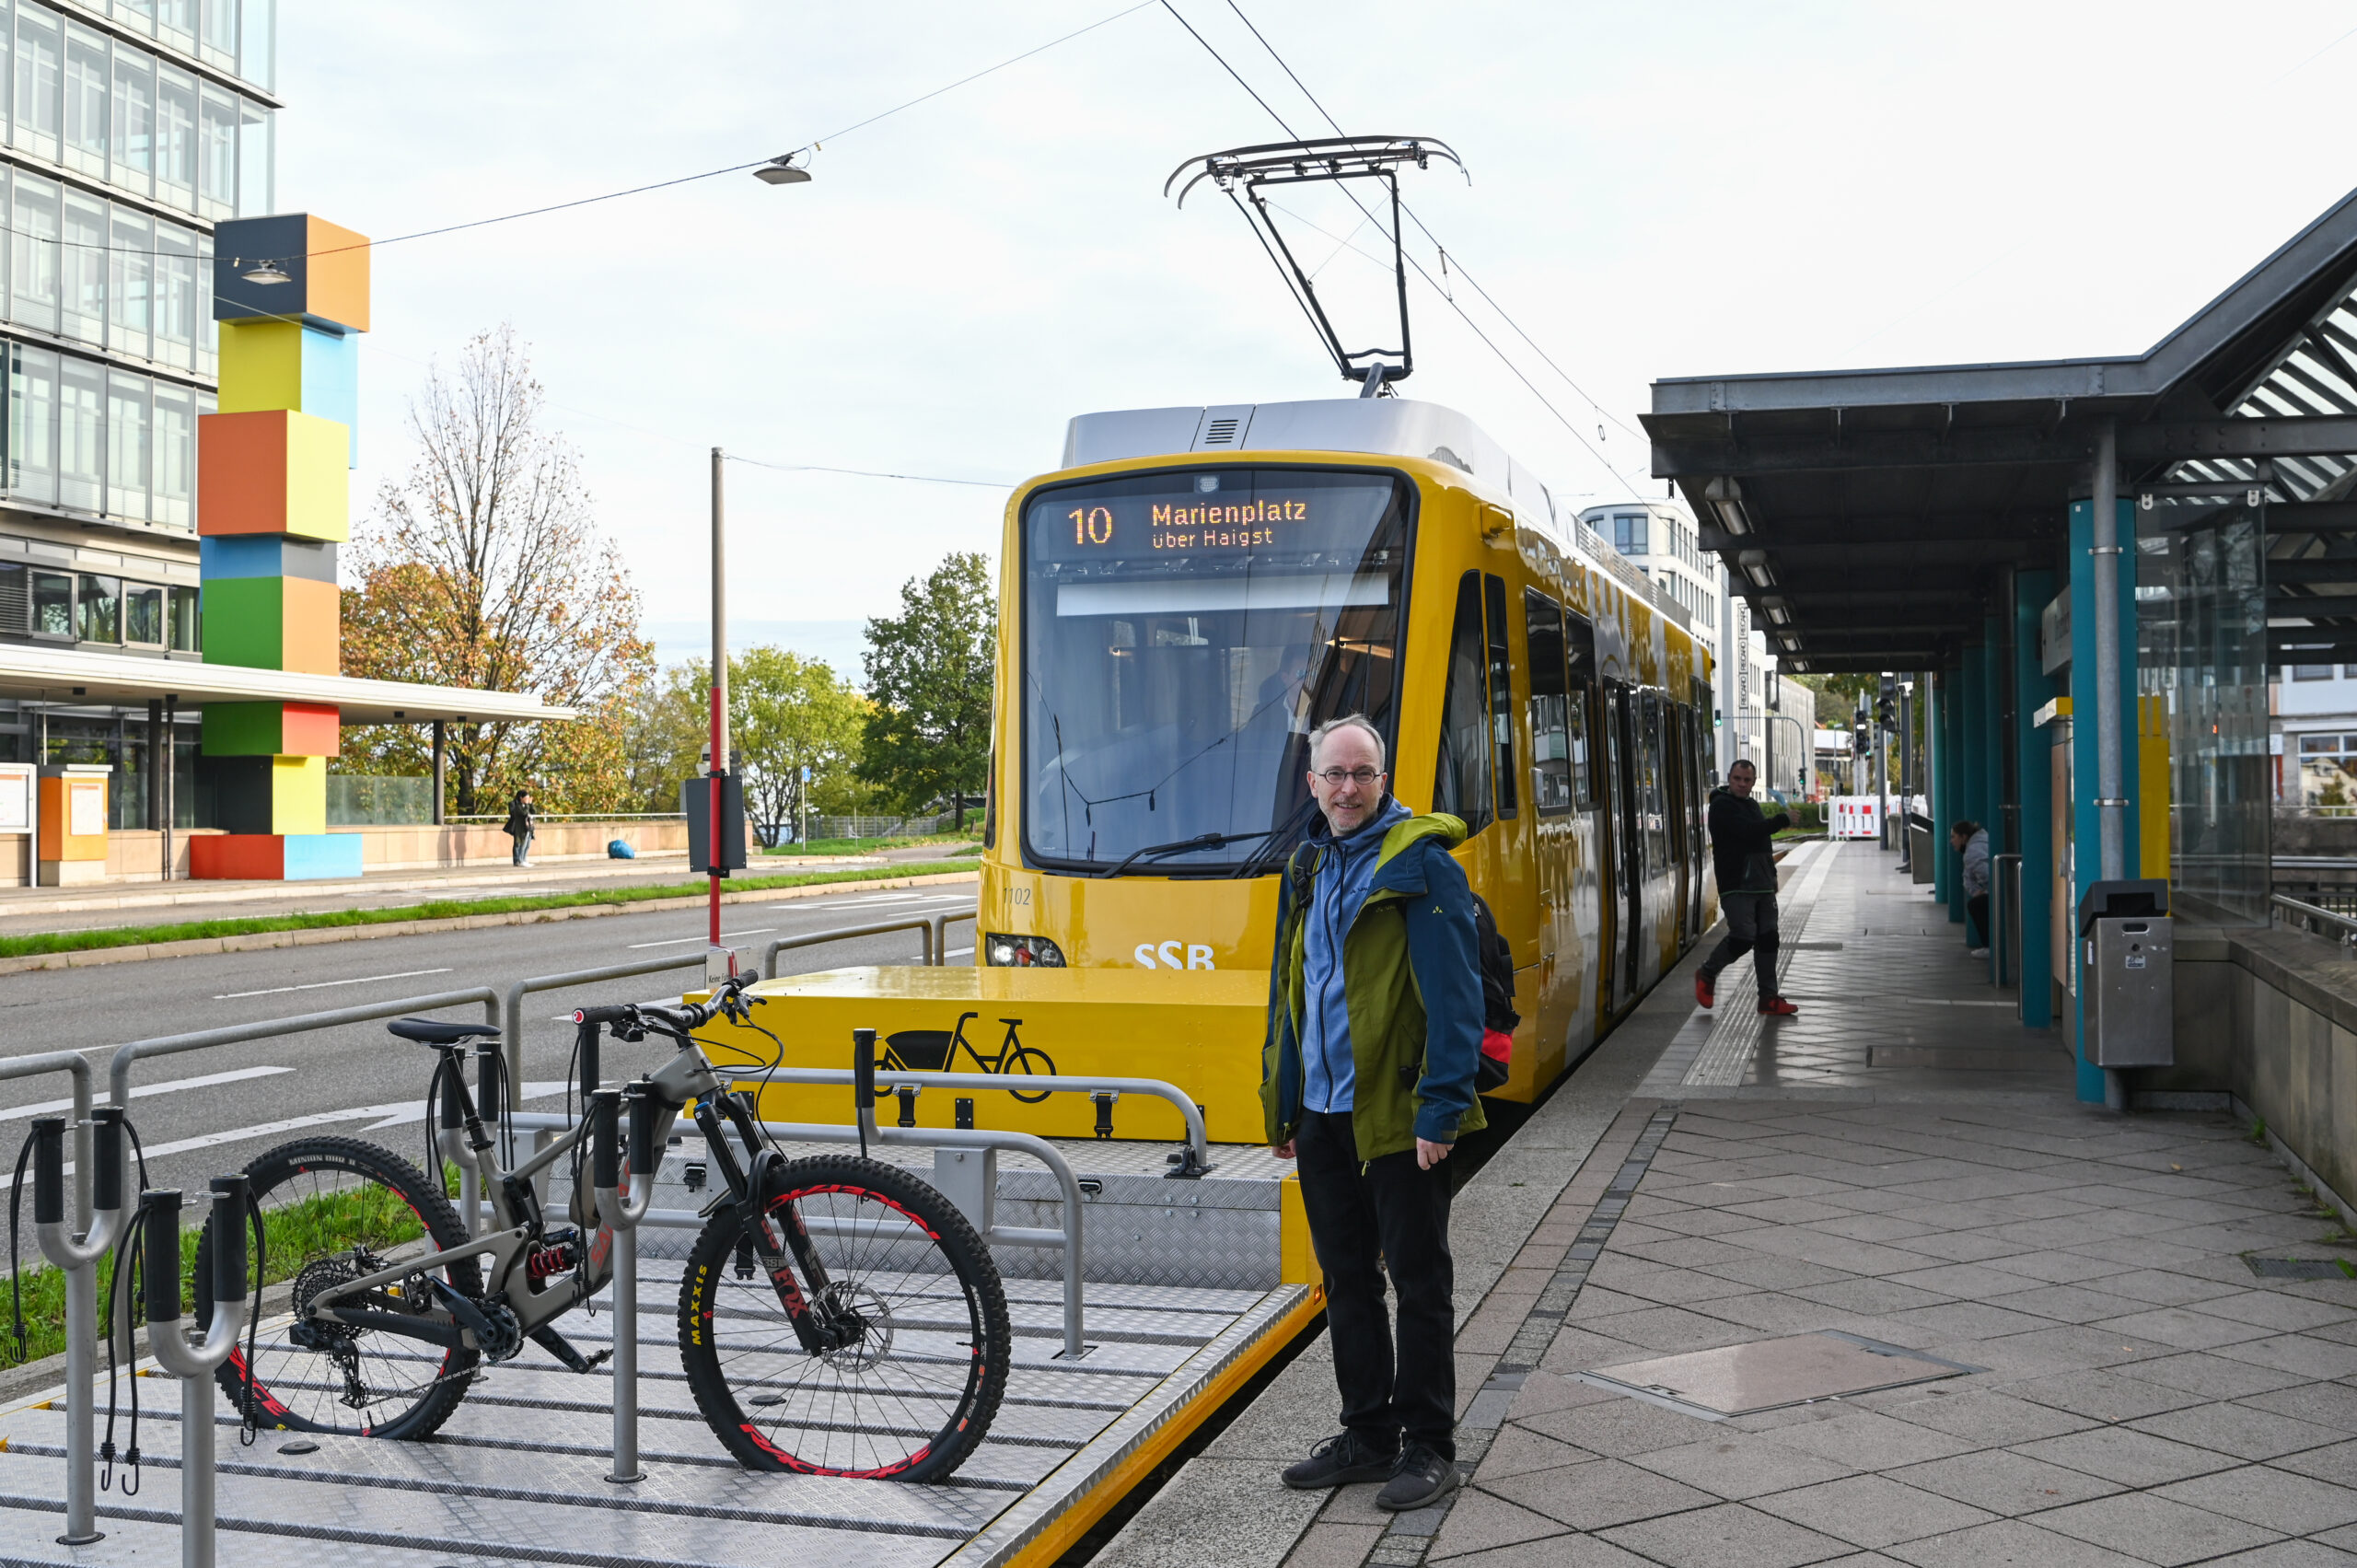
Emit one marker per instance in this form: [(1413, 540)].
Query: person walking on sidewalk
[(519, 826), (1743, 852), (1367, 1079), (1970, 840)]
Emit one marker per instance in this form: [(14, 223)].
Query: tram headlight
[(1021, 952)]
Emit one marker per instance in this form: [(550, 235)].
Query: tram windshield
[(1183, 632)]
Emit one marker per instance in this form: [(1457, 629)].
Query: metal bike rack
[(625, 1214), (941, 933), (194, 1365), (76, 1254)]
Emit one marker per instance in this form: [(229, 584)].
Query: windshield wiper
[(1202, 840), (1258, 860)]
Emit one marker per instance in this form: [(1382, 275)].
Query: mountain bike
[(935, 1050), (837, 1316)]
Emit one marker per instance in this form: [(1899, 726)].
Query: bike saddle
[(434, 1031)]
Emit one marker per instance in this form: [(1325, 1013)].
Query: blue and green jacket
[(1411, 991)]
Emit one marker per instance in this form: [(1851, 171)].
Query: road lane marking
[(675, 941), (958, 953), (237, 1075), (324, 985)]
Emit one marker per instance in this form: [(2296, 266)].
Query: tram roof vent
[(1224, 426)]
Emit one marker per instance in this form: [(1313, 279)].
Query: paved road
[(217, 1099)]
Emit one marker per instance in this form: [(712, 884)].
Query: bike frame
[(687, 1076)]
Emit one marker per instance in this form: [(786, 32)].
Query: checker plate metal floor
[(517, 1476), (1768, 1374)]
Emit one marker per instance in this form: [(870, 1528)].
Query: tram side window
[(1461, 782), (1551, 741), (1500, 695), (1579, 650)]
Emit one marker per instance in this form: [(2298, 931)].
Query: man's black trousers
[(1398, 1212), (1751, 928)]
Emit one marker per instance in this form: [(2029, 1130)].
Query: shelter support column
[(2091, 666), (2033, 689), (1972, 791), (1942, 784)]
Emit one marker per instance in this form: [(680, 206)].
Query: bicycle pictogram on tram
[(935, 1050)]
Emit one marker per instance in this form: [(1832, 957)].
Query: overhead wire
[(1487, 341), (1503, 314)]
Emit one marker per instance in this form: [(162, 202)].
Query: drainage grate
[(1771, 1374), (2301, 1268)]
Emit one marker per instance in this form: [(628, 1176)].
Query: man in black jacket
[(1743, 852)]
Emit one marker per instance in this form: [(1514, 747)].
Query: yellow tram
[(1189, 594)]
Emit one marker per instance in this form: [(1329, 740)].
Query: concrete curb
[(261, 940)]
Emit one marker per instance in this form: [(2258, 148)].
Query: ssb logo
[(1165, 956)]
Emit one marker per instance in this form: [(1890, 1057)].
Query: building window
[(186, 623), (176, 137), (33, 281), (130, 273), (40, 79), (127, 447), (217, 38), (98, 609), (217, 164), (134, 120), (52, 604), (255, 147), (81, 435), (174, 504), (142, 615), (32, 423), (84, 259), (2329, 770), (1629, 532), (176, 301), (2312, 672), (87, 109)]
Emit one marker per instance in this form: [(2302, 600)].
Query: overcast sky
[(1656, 191)]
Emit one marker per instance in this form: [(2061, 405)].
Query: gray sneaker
[(1343, 1459), (1422, 1479)]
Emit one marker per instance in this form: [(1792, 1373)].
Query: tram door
[(1626, 834), (1697, 804), (1681, 851)]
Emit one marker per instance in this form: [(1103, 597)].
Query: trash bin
[(2125, 982)]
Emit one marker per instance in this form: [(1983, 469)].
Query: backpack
[(1498, 1018)]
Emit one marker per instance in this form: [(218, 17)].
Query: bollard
[(77, 1258), (194, 1365), (622, 1216)]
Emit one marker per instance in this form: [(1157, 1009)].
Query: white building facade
[(2315, 737)]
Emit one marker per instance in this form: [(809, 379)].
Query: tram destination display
[(1226, 513)]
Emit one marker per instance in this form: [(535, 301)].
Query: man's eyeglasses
[(1362, 777)]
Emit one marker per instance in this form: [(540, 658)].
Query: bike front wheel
[(915, 1376), (335, 1209)]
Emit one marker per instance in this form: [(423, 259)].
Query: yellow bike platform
[(518, 1475)]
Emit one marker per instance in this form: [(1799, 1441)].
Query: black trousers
[(1976, 911), (1751, 928), (1396, 1212)]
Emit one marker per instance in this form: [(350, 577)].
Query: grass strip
[(442, 909)]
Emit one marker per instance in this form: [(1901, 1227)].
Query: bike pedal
[(557, 1345)]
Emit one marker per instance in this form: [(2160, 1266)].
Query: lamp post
[(780, 171)]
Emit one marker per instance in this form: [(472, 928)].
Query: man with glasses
[(1374, 1035)]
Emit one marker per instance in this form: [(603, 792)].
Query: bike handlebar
[(727, 998)]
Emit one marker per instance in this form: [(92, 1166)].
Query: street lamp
[(779, 170)]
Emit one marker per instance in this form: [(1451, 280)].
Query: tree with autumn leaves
[(485, 568)]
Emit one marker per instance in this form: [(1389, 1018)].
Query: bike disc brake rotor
[(865, 1320)]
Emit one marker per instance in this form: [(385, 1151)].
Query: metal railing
[(933, 928), (2338, 929), (78, 1260)]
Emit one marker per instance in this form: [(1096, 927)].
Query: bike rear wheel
[(335, 1209), (918, 1382)]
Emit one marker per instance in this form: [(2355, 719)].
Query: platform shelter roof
[(1867, 514)]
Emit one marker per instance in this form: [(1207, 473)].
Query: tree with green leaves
[(929, 674), (785, 712)]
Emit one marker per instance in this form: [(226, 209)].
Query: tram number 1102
[(1093, 527)]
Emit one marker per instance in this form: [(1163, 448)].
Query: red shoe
[(1703, 991), (1776, 1007)]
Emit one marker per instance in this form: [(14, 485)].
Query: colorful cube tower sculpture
[(274, 501)]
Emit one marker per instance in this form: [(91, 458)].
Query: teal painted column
[(1972, 753), (1941, 693), (1995, 788), (2032, 690), (2086, 868)]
